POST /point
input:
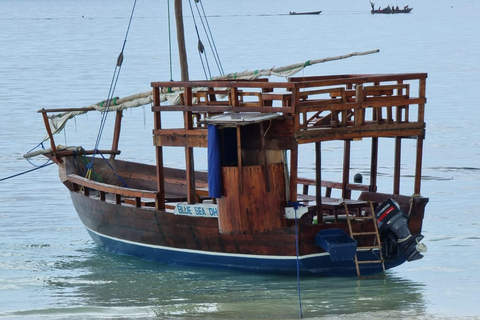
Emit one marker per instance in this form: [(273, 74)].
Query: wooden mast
[(182, 52)]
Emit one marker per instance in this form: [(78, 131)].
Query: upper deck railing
[(322, 108)]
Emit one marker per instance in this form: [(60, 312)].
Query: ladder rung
[(369, 247), (363, 233), (362, 218), (370, 261)]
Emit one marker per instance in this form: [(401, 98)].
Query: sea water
[(56, 54)]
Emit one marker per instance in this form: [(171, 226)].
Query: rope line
[(210, 36), (296, 204), (28, 171), (113, 84), (201, 48)]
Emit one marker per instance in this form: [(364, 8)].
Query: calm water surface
[(62, 54)]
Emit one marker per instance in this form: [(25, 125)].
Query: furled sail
[(287, 71)]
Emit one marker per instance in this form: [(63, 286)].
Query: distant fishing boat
[(300, 13), (390, 10), (251, 210)]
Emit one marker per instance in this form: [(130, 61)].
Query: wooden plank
[(225, 108), (346, 168), (333, 184), (180, 141), (418, 165), (397, 165), (103, 187), (116, 133), (318, 177), (160, 174), (373, 165), (50, 135), (293, 173)]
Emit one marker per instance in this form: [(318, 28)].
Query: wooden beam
[(108, 188), (318, 180), (293, 173), (239, 159), (418, 165), (263, 156), (160, 198), (374, 165), (346, 169), (398, 162), (50, 135), (182, 52), (116, 133)]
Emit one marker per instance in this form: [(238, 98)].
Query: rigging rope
[(209, 35), (113, 84), (296, 204), (19, 174), (201, 48)]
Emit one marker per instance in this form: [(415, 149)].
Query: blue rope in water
[(295, 206)]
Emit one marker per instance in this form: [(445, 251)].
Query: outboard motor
[(391, 219)]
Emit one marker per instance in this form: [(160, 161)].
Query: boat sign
[(201, 210)]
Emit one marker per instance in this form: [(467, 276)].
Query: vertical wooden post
[(160, 200), (239, 159), (263, 157), (182, 52), (116, 133), (294, 150), (293, 173), (374, 165), (359, 111), (318, 181), (421, 118), (346, 168), (189, 162), (398, 162), (421, 94), (233, 97), (50, 135), (418, 165)]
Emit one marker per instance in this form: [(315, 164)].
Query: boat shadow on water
[(103, 282)]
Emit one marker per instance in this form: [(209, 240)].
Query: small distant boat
[(389, 10), (299, 13)]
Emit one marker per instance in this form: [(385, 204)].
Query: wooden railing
[(315, 102), (330, 185)]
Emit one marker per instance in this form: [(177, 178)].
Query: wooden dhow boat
[(251, 210), (390, 10)]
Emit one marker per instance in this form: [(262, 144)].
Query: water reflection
[(108, 282)]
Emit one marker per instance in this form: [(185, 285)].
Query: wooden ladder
[(377, 245)]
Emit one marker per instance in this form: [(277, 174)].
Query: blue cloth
[(214, 166)]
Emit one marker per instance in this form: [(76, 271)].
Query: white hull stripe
[(210, 253)]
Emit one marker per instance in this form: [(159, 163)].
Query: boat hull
[(141, 233)]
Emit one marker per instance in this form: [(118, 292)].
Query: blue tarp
[(214, 166)]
